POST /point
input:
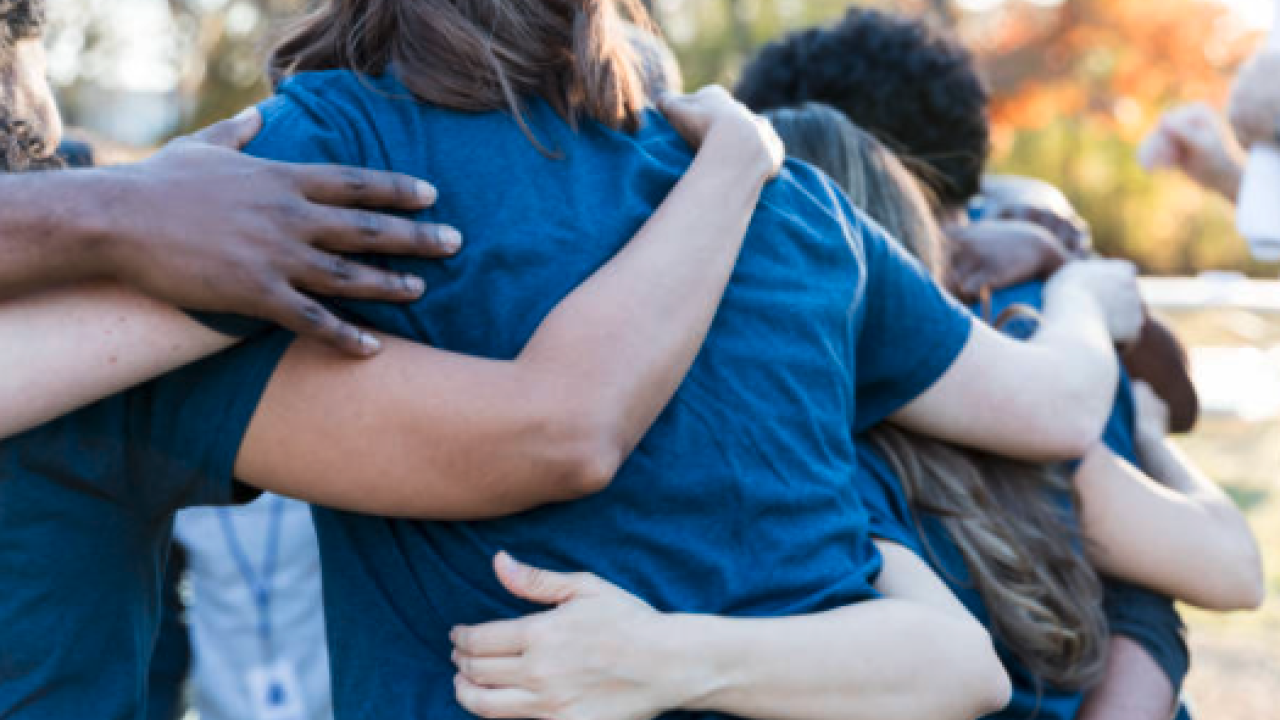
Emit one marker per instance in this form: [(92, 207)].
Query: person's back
[(740, 499)]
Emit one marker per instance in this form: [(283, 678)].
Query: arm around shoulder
[(426, 433)]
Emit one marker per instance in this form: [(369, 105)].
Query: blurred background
[(1076, 84)]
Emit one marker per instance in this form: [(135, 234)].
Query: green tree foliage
[(1076, 82)]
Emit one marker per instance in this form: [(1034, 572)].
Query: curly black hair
[(22, 149), (915, 88), (20, 20)]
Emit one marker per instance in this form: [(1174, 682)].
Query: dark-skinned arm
[(203, 227)]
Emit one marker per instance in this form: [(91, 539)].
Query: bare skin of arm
[(1173, 531), (128, 245), (1047, 398), (63, 349), (603, 654), (426, 433), (461, 437), (1134, 688), (204, 227)]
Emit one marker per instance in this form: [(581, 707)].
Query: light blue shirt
[(223, 617)]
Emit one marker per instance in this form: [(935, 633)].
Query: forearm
[(1134, 687), (63, 349), (1041, 400), (446, 436), (1148, 622), (1076, 365), (617, 348), (862, 661), (1185, 540), (48, 235)]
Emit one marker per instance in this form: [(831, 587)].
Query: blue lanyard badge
[(259, 582), (275, 692)]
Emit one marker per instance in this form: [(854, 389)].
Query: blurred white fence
[(1232, 327)]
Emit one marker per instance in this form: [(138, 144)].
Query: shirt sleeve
[(185, 429), (912, 331)]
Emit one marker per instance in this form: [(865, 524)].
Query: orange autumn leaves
[(1113, 62)]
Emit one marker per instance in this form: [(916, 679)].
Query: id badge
[(275, 693)]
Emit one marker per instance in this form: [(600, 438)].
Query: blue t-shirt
[(738, 500), (892, 519), (1148, 618), (86, 508)]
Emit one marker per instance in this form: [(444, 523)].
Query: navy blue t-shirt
[(1134, 612), (1148, 618), (86, 508), (892, 519), (738, 501)]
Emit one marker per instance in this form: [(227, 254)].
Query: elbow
[(571, 442), (1078, 425), (1241, 583), (1253, 593), (1229, 593), (989, 688), (1079, 417), (590, 469), (1237, 580), (1244, 585), (1076, 439), (975, 683), (589, 455), (1067, 436)]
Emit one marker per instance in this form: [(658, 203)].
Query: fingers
[(501, 671), (306, 317), (363, 231), (492, 639), (334, 276), (535, 585), (357, 187), (234, 133), (692, 115), (495, 702)]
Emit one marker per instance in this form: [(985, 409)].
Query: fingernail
[(426, 192), (507, 563), (452, 239), (415, 284), (369, 344)]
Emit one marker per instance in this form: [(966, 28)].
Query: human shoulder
[(806, 194), (325, 116)]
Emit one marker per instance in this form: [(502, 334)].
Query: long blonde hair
[(1009, 519)]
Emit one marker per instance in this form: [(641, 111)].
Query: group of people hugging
[(767, 405)]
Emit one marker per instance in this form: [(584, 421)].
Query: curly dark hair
[(20, 20), (22, 149), (917, 89)]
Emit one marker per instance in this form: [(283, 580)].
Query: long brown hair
[(1008, 518), (481, 55), (872, 176)]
